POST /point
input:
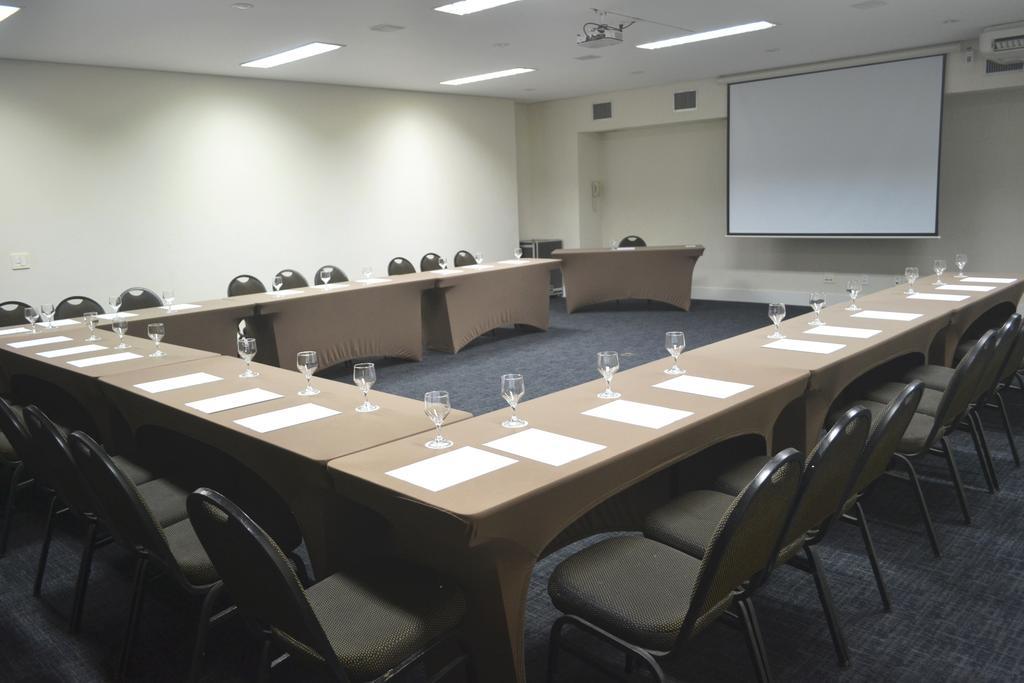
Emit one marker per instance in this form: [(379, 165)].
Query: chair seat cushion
[(379, 619), (885, 393), (137, 473), (737, 477), (935, 377), (165, 500), (632, 587), (689, 522), (188, 552)]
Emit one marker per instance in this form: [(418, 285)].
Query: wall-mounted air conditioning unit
[(1003, 44)]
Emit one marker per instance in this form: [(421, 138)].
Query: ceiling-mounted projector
[(599, 36)]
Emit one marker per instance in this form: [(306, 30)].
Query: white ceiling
[(210, 37)]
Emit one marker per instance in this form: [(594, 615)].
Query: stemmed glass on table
[(325, 274), (307, 363), (91, 318), (517, 252), (365, 375), (247, 351), (278, 283), (940, 268), (115, 304), (608, 365), (512, 390), (854, 288), (443, 262), (478, 257), (437, 405), (777, 313), (155, 331), (817, 301), (31, 316), (168, 298), (46, 311), (960, 261), (120, 326), (911, 273), (675, 343)]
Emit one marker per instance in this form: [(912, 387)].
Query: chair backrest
[(1014, 359), (135, 298), (962, 387), (245, 284), (13, 428), (50, 459), (747, 539), (831, 471), (293, 279), (464, 258), (256, 572), (12, 313), (76, 307), (632, 241), (1006, 340), (887, 433), (401, 266), (336, 274), (430, 261)]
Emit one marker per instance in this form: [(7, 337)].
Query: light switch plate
[(20, 260)]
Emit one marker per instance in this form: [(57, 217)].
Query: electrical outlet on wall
[(20, 260), (830, 278)]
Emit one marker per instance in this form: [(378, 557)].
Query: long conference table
[(487, 509)]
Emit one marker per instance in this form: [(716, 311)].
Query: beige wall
[(114, 178)]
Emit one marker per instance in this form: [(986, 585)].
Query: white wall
[(113, 178)]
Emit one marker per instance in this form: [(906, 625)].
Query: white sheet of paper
[(111, 316), (180, 382), (286, 417), (375, 280), (625, 248), (63, 323), (286, 292), (447, 273), (823, 348), (71, 351), (103, 360), (703, 386), (964, 288), (990, 280), (448, 469), (939, 297), (42, 341), (15, 330), (887, 315), (545, 447), (184, 307), (639, 414), (331, 285), (848, 332), (235, 399), (480, 266), (514, 261)]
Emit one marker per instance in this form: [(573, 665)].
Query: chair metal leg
[(755, 643), (869, 547), (263, 673), (12, 492), (981, 446), (1006, 425), (84, 569), (44, 551), (831, 616), (202, 628), (134, 612), (958, 485), (921, 503)]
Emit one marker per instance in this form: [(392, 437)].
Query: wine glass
[(90, 319), (608, 365), (940, 268), (478, 256), (31, 316), (155, 331), (517, 252), (512, 390), (777, 313), (325, 274), (960, 260), (247, 351), (168, 297), (364, 375), (911, 273), (46, 312), (115, 304), (437, 405), (120, 326), (367, 273), (675, 342), (307, 363), (853, 288), (817, 301), (443, 262), (278, 283), (614, 244)]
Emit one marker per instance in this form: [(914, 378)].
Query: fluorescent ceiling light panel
[(471, 6), (7, 10), (708, 35), (487, 77), (293, 55)]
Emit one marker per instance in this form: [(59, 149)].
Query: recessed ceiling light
[(292, 55), (501, 44), (7, 10), (869, 4), (243, 5), (637, 72), (951, 21), (584, 58), (487, 77), (773, 49), (708, 35), (471, 6), (387, 28)]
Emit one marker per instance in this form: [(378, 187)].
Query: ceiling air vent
[(602, 110), (684, 101), (997, 68)]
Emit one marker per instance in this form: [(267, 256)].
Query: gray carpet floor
[(954, 619)]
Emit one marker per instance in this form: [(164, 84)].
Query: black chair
[(401, 266), (689, 522), (464, 258), (12, 313), (632, 241), (134, 298), (1010, 374), (648, 599), (76, 307), (14, 443), (245, 284), (335, 274), (293, 279), (430, 261), (369, 626)]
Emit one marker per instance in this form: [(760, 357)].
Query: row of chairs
[(132, 299)]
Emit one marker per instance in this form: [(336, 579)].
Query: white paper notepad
[(111, 316), (63, 323), (180, 382), (887, 315), (939, 297), (103, 360), (848, 332), (545, 447), (184, 307), (480, 266), (15, 330), (625, 248), (990, 280), (514, 261), (42, 341), (702, 386), (331, 285), (71, 351), (375, 280), (286, 292), (286, 417), (233, 400), (964, 288), (823, 348), (448, 469), (639, 414)]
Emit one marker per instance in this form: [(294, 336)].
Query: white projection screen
[(851, 152)]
